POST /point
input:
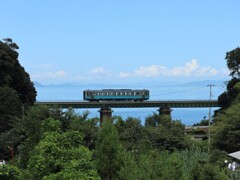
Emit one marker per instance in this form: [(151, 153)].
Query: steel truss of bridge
[(129, 104)]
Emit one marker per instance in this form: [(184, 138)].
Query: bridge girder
[(127, 104)]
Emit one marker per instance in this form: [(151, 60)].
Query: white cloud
[(99, 71), (124, 74), (150, 71), (191, 68), (101, 74), (51, 75), (60, 73), (96, 73)]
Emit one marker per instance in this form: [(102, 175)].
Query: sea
[(199, 90)]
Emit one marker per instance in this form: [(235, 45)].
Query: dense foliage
[(230, 95), (13, 75), (228, 128), (10, 106), (227, 118), (16, 89), (233, 62), (123, 149)]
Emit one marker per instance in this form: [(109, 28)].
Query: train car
[(116, 95)]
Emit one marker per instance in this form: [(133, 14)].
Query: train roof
[(116, 90)]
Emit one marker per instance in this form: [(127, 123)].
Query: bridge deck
[(128, 104)]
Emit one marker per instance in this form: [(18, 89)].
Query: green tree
[(207, 172), (108, 158), (27, 132), (88, 127), (153, 120), (13, 75), (192, 158), (9, 172), (142, 165), (172, 167), (196, 165), (233, 62), (150, 164), (166, 134), (60, 155), (227, 127), (229, 96), (132, 134), (16, 89), (10, 106), (203, 122), (179, 165)]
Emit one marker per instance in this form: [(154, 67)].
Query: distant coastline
[(147, 84)]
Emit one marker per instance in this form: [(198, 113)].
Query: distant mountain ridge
[(134, 85), (205, 82)]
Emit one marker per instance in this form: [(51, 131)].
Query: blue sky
[(122, 41)]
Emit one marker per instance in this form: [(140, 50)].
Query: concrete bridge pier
[(105, 114), (165, 111)]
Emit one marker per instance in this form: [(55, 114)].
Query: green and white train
[(116, 95)]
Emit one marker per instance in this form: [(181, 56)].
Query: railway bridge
[(106, 112)]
